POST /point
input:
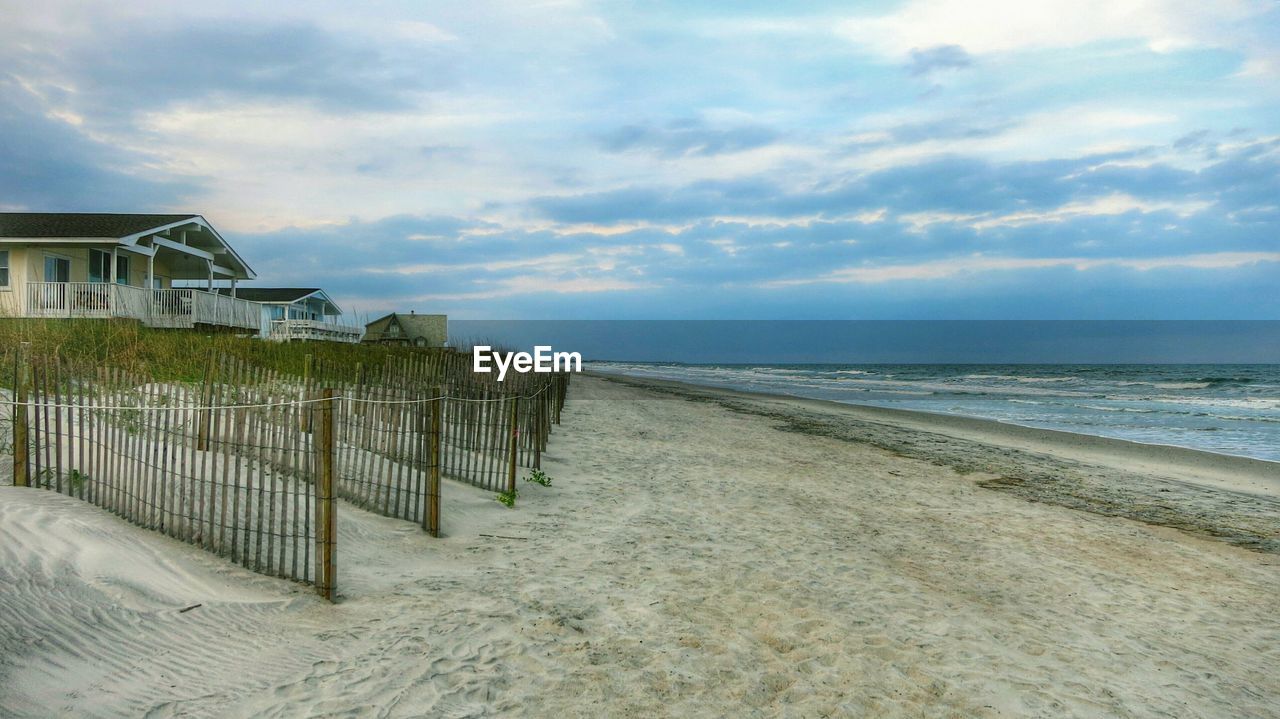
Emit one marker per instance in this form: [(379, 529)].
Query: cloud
[(940, 57), (989, 26), (684, 137), (48, 164), (140, 67), (965, 187), (953, 266), (501, 158)]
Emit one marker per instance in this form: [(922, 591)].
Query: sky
[(948, 159)]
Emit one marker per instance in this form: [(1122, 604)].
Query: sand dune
[(692, 559)]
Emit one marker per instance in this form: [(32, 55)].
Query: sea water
[(1229, 409)]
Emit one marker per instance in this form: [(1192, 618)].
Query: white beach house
[(98, 265), (299, 313)]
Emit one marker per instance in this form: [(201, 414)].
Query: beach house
[(408, 330), (100, 265), (299, 313)]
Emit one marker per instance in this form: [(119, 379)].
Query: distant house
[(298, 313), (411, 330), (103, 265)]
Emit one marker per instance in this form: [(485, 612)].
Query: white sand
[(690, 561)]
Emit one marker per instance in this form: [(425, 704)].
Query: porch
[(177, 308), (314, 330), (104, 265)]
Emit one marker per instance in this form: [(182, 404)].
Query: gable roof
[(284, 296), (81, 224), (196, 237)]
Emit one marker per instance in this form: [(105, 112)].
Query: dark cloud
[(719, 266), (1247, 178), (940, 57), (139, 67), (687, 137), (48, 165)]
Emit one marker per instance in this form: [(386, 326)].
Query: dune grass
[(170, 354)]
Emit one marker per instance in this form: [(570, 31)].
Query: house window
[(4, 268), (100, 267), (157, 282), (57, 269)]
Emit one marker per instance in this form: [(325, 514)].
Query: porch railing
[(157, 308), (285, 330), (86, 299), (189, 307)]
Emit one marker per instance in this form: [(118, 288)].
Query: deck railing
[(188, 307), (157, 308), (285, 330), (86, 299)]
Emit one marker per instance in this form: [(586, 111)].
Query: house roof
[(271, 294), (190, 236), (81, 224), (283, 295), (413, 325)]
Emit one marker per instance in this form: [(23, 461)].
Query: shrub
[(537, 476), (508, 498)]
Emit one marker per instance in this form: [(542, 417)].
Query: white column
[(210, 263), (151, 269), (233, 288)]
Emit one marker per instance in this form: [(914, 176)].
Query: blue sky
[(985, 159)]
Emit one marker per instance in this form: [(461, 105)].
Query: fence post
[(326, 522), (307, 370), (206, 414), (537, 430), (515, 431), (433, 479), (21, 472)]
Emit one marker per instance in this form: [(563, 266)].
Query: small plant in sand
[(537, 476), (508, 498)]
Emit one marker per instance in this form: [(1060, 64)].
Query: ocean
[(1229, 409)]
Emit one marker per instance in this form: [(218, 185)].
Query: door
[(57, 269), (51, 300)]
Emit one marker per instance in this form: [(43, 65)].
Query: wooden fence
[(240, 481), (248, 463)]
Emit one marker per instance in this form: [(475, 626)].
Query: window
[(4, 268), (157, 282), (100, 267), (57, 269)]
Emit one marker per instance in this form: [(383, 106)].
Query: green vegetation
[(172, 355), (508, 498), (77, 479), (537, 476)]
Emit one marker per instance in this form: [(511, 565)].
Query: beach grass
[(172, 354)]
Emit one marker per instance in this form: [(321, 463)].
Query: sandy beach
[(701, 553)]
